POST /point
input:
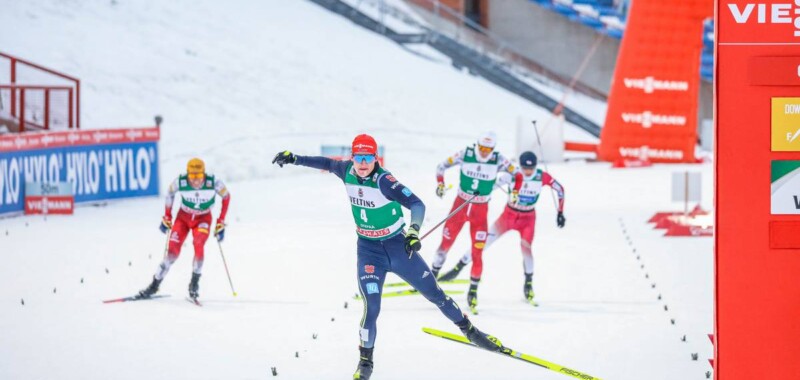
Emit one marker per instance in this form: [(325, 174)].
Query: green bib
[(478, 176), (199, 200), (529, 192), (376, 217)]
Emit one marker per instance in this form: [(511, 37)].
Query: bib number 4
[(364, 215)]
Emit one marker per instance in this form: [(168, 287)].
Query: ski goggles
[(485, 149), (364, 158), (195, 175)]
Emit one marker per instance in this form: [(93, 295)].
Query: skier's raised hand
[(285, 157)]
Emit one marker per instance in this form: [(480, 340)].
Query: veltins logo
[(650, 85), (785, 122), (776, 13), (648, 119)]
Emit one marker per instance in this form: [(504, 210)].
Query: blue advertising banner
[(107, 170)]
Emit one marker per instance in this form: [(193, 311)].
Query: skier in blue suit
[(376, 198)]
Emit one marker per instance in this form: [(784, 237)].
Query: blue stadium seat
[(614, 32), (564, 9), (591, 22), (707, 72), (605, 8)]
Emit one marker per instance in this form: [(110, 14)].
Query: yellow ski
[(399, 284), (514, 354), (410, 292)]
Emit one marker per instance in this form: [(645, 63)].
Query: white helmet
[(488, 139)]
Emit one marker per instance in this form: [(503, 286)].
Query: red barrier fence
[(34, 96), (25, 108)]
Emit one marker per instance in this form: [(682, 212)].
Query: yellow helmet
[(196, 168)]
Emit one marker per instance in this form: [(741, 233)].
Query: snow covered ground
[(236, 82)]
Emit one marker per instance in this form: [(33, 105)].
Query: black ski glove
[(560, 220), (412, 240), (285, 157)]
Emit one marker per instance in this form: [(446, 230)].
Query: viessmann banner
[(99, 164), (652, 107)]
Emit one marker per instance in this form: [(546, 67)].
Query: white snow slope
[(238, 81)]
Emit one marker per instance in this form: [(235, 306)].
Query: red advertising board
[(42, 140), (48, 205), (757, 254), (652, 106)]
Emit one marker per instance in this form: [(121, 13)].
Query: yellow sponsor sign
[(786, 124)]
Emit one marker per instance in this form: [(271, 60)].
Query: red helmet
[(364, 144)]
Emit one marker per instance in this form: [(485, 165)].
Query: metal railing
[(441, 19), (25, 107), (15, 64)]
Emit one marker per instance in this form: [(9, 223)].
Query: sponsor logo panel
[(95, 172), (650, 84), (785, 124)]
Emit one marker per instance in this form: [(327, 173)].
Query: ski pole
[(450, 216), (541, 151), (226, 267)]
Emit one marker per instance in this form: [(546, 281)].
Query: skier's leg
[(414, 271), (177, 235), (497, 229), (478, 231), (199, 238), (451, 229), (200, 229), (526, 231), (372, 267)]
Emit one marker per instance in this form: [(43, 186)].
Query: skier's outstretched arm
[(322, 163)]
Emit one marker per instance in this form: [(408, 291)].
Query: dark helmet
[(527, 160)]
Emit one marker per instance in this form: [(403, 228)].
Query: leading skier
[(376, 198)]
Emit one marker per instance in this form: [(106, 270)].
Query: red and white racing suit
[(475, 213), (521, 216)]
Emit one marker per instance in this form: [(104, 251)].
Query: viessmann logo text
[(778, 13), (650, 84), (647, 153), (648, 119)]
